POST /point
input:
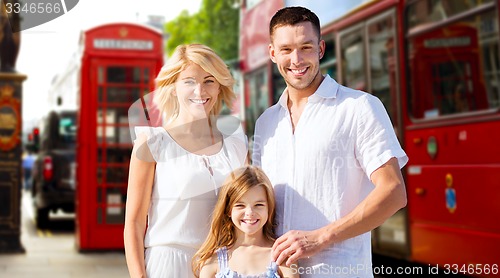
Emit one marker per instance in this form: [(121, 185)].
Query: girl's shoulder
[(288, 271), (210, 268)]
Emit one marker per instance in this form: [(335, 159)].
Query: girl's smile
[(250, 213)]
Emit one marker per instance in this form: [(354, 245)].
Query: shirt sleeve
[(152, 141), (257, 145), (376, 140)]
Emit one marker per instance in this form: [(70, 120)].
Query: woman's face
[(196, 91)]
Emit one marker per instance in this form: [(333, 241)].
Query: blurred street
[(73, 88), (52, 253)]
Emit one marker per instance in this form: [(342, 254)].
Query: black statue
[(10, 36)]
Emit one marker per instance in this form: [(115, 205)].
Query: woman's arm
[(140, 184)]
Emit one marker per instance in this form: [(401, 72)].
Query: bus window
[(383, 72), (328, 63), (377, 73), (353, 60), (454, 69), (452, 87), (491, 60), (279, 84), (422, 13), (258, 99)]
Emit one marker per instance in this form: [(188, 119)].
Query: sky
[(47, 49)]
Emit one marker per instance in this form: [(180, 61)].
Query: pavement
[(52, 252)]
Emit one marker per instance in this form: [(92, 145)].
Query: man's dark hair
[(290, 16)]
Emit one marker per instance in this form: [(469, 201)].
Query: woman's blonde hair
[(183, 56), (222, 230)]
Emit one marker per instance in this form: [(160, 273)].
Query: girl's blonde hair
[(183, 56), (222, 230)]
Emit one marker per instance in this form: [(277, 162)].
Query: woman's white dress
[(184, 194)]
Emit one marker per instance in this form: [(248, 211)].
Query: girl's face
[(196, 91), (250, 213)]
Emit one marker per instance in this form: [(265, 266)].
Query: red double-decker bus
[(435, 65), (115, 67)]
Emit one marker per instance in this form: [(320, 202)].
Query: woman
[(175, 170)]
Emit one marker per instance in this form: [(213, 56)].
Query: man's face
[(296, 50)]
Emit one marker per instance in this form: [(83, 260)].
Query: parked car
[(53, 185)]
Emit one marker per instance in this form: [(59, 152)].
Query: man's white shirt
[(321, 172)]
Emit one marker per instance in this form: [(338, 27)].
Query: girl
[(241, 235), (176, 169)]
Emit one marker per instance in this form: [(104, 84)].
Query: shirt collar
[(327, 89)]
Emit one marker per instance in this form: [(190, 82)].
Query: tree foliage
[(180, 30), (215, 25)]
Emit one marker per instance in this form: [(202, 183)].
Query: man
[(331, 154)]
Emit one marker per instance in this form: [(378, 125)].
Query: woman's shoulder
[(230, 126), (149, 132), (234, 138), (147, 136)]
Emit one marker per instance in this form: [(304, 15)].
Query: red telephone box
[(119, 65)]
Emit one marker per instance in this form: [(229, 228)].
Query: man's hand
[(295, 245)]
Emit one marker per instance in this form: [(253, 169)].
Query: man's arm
[(388, 196)]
